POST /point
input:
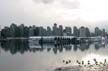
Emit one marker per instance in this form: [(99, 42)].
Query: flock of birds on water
[(81, 63)]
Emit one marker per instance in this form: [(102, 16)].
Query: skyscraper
[(32, 30), (60, 30), (49, 31), (42, 31), (68, 31), (75, 31), (98, 32), (104, 33), (55, 30), (87, 32), (82, 32)]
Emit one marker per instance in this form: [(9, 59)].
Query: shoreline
[(17, 38), (93, 67)]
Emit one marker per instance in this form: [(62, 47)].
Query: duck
[(78, 62), (69, 61), (63, 61), (82, 62), (105, 61), (88, 62), (95, 61)]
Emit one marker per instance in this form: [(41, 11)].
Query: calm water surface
[(18, 56)]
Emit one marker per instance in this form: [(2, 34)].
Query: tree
[(36, 31), (21, 30), (14, 31), (26, 31), (5, 32)]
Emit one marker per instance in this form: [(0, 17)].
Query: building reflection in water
[(22, 46), (100, 45)]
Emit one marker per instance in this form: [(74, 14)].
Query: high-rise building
[(68, 31), (82, 32), (42, 31), (55, 30), (98, 32), (49, 31), (104, 33), (32, 30), (87, 32), (75, 31), (60, 30)]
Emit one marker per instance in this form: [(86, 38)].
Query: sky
[(90, 13)]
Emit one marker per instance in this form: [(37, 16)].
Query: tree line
[(18, 31)]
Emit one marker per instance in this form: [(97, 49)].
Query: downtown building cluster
[(25, 31)]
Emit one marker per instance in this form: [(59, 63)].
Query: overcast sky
[(89, 13)]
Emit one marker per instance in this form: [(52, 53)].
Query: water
[(18, 56)]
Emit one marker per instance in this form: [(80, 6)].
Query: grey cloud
[(47, 1), (44, 1), (71, 4)]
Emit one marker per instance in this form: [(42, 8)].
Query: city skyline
[(52, 24), (22, 30), (53, 35)]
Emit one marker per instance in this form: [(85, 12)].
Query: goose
[(88, 62), (63, 61), (69, 61), (95, 61), (82, 62), (105, 61), (78, 62)]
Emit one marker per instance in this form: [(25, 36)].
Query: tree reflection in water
[(22, 46)]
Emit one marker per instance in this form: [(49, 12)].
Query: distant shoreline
[(14, 38)]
